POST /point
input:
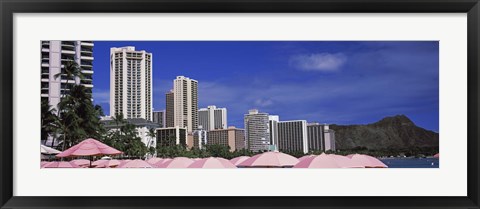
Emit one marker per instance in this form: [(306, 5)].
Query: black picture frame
[(10, 7)]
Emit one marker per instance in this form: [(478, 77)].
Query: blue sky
[(320, 81)]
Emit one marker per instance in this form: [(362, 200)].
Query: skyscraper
[(131, 83), (315, 133), (273, 130), (185, 103), (212, 118), (329, 139), (169, 111), (159, 118), (257, 135), (54, 56), (292, 136)]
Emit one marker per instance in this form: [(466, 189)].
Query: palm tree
[(152, 135), (71, 70), (49, 121)]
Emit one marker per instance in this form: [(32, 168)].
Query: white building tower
[(54, 55), (131, 83), (212, 118), (185, 102)]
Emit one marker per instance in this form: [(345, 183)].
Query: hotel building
[(329, 139), (169, 111), (159, 118), (185, 103), (231, 137), (54, 54), (320, 137), (273, 130), (199, 139), (212, 118), (131, 83), (171, 136), (257, 134), (292, 136)]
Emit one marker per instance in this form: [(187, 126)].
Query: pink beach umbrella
[(212, 162), (123, 162), (156, 165), (270, 159), (367, 161), (437, 155), (136, 164), (106, 163), (154, 160), (60, 164), (42, 163), (327, 161), (239, 160), (305, 157), (178, 162), (89, 147), (81, 162)]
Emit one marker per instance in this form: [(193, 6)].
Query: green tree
[(49, 121)]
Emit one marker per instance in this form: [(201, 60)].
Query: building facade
[(159, 117), (273, 130), (169, 111), (142, 127), (54, 55), (212, 118), (329, 139), (257, 134), (185, 103), (292, 136), (171, 136), (231, 137), (131, 83), (316, 138), (199, 139)]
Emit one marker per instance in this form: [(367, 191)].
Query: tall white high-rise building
[(212, 118), (131, 83), (54, 55), (185, 102), (257, 136)]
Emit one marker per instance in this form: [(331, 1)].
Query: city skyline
[(324, 82)]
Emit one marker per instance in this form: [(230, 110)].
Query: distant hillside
[(395, 132)]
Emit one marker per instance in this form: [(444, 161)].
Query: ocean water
[(411, 162)]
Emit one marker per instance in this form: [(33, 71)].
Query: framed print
[(242, 104)]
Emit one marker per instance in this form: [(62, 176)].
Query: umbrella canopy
[(157, 164), (327, 161), (60, 164), (42, 163), (154, 160), (178, 162), (81, 162), (437, 155), (305, 157), (367, 161), (89, 147), (107, 163), (123, 162), (212, 162), (270, 159), (48, 150), (239, 160), (136, 164)]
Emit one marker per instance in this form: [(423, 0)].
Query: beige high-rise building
[(169, 111), (231, 137), (185, 103), (131, 83)]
